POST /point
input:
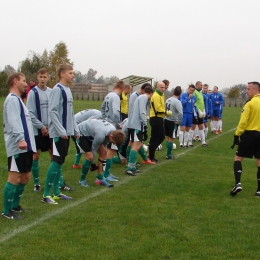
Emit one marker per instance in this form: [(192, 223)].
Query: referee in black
[(247, 136)]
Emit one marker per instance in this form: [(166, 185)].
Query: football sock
[(258, 179), (237, 171), (108, 167), (50, 177), (100, 176), (169, 146), (128, 150), (181, 137), (220, 124), (35, 172), (56, 183), (116, 160), (132, 160), (18, 194), (61, 180), (77, 159), (186, 137), (84, 171), (142, 153), (202, 136), (217, 125), (206, 130), (9, 191), (191, 132)]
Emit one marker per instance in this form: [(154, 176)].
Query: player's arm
[(243, 119), (54, 105), (103, 109), (159, 105), (179, 112), (116, 111), (143, 118)]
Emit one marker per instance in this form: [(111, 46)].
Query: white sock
[(186, 138), (191, 132), (206, 130), (202, 136), (220, 124), (181, 137)]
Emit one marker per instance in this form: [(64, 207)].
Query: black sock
[(258, 179), (237, 171)]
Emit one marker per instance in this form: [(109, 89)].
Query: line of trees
[(50, 60)]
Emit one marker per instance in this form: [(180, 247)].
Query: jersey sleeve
[(243, 119)]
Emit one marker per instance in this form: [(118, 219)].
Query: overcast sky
[(216, 42)]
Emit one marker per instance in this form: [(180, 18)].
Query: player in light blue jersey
[(62, 125), (95, 134), (189, 111), (216, 101), (207, 102), (80, 117), (38, 104), (137, 125), (20, 146), (172, 123)]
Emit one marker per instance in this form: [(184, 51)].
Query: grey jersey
[(96, 131), (39, 102), (175, 106), (132, 100), (110, 109), (138, 117), (87, 114), (61, 113), (17, 126)]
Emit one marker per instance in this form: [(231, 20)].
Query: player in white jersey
[(38, 104), (62, 125), (20, 146), (81, 117), (95, 134)]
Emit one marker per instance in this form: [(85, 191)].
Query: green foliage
[(234, 93), (3, 84)]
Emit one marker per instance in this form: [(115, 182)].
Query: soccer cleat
[(181, 146), (213, 131), (154, 160), (190, 145), (83, 183), (49, 200), (37, 188), (220, 131), (131, 173), (110, 179), (77, 166), (113, 176), (185, 146), (61, 197), (66, 187), (170, 157), (9, 215), (204, 145), (16, 216), (148, 161), (103, 182), (257, 194), (216, 132), (237, 188), (19, 209)]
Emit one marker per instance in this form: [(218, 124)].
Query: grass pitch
[(177, 209)]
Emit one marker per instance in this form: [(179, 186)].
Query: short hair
[(177, 91), (146, 85), (206, 85), (198, 82), (192, 86), (254, 83), (119, 84), (216, 87), (10, 80), (118, 137), (148, 90), (127, 86), (42, 71), (166, 82), (63, 68)]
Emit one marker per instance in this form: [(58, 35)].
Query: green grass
[(174, 210)]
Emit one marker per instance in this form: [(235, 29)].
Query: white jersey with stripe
[(96, 131), (17, 126), (61, 115), (31, 104), (174, 105), (87, 114), (132, 100), (110, 109)]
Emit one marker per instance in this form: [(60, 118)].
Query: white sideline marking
[(93, 195)]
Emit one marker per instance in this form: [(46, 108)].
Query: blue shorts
[(187, 120), (216, 113)]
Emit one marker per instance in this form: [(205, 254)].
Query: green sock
[(56, 183), (61, 180), (132, 160), (169, 146), (108, 167), (18, 194), (50, 177), (142, 153), (116, 160), (9, 192), (77, 159), (84, 171), (128, 150), (35, 172), (100, 176)]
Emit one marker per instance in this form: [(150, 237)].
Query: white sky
[(216, 42)]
